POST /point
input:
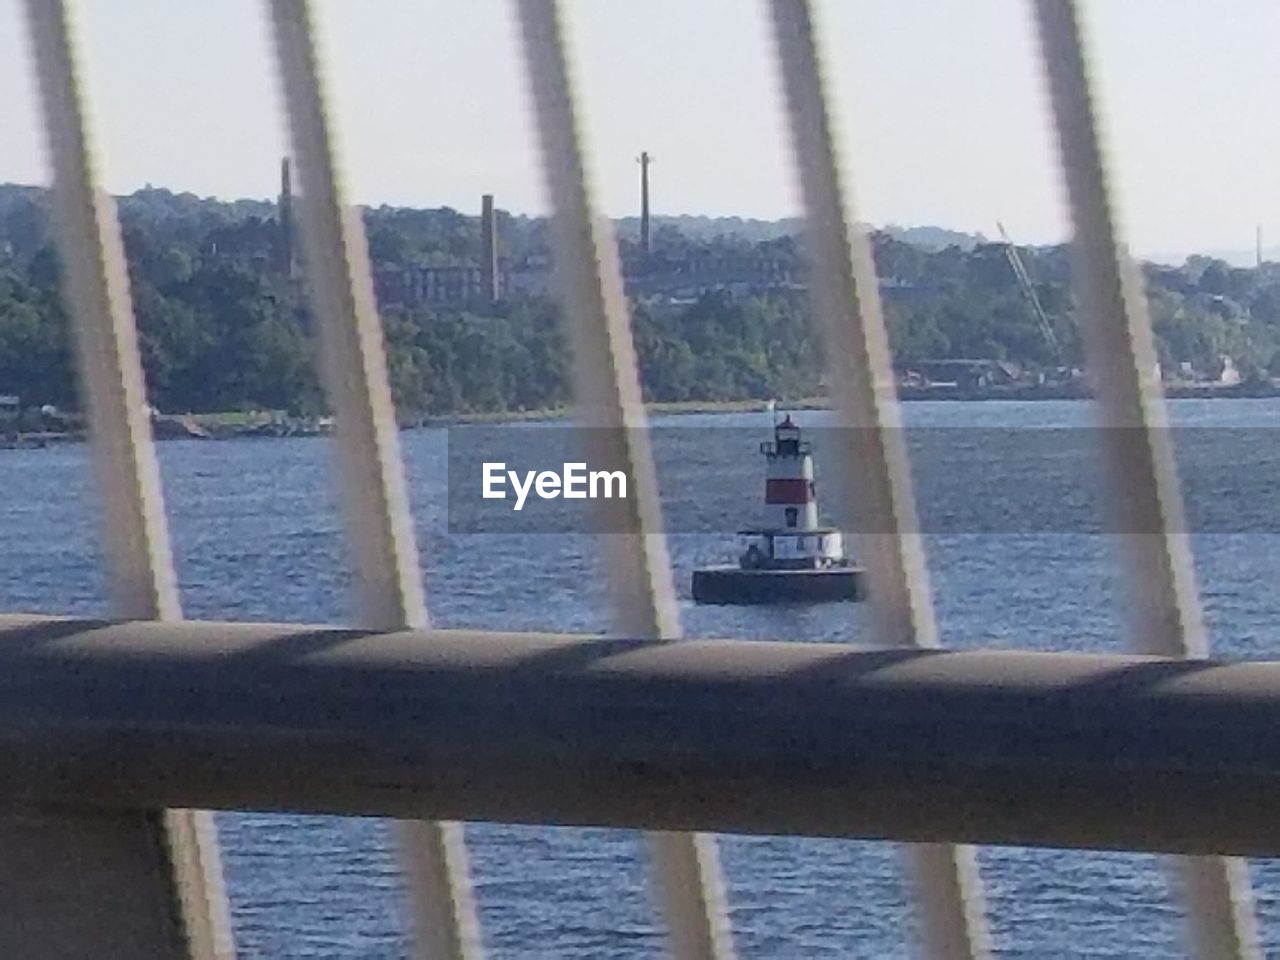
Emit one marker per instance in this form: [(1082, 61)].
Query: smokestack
[(285, 217), (489, 249), (644, 203), (1257, 237)]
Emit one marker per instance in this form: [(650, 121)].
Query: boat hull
[(733, 585)]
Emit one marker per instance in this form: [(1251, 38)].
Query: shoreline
[(908, 395), (225, 426)]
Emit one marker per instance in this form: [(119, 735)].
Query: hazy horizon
[(941, 107)]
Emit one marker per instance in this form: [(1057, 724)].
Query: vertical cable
[(687, 874), (375, 504), (1144, 497), (873, 457), (135, 537)]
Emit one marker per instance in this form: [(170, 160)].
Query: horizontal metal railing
[(1056, 749)]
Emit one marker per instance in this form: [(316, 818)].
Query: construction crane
[(1028, 290)]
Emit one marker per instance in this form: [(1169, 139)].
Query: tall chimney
[(489, 250), (644, 203), (285, 218)]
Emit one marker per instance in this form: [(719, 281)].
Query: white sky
[(940, 102)]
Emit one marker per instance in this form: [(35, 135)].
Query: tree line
[(221, 327)]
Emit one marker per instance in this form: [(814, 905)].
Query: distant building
[(700, 271), (413, 286), (1223, 373), (967, 374), (478, 281), (530, 277), (1228, 374)]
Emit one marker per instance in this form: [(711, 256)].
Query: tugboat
[(791, 559)]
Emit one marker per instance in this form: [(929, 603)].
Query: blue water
[(256, 536)]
